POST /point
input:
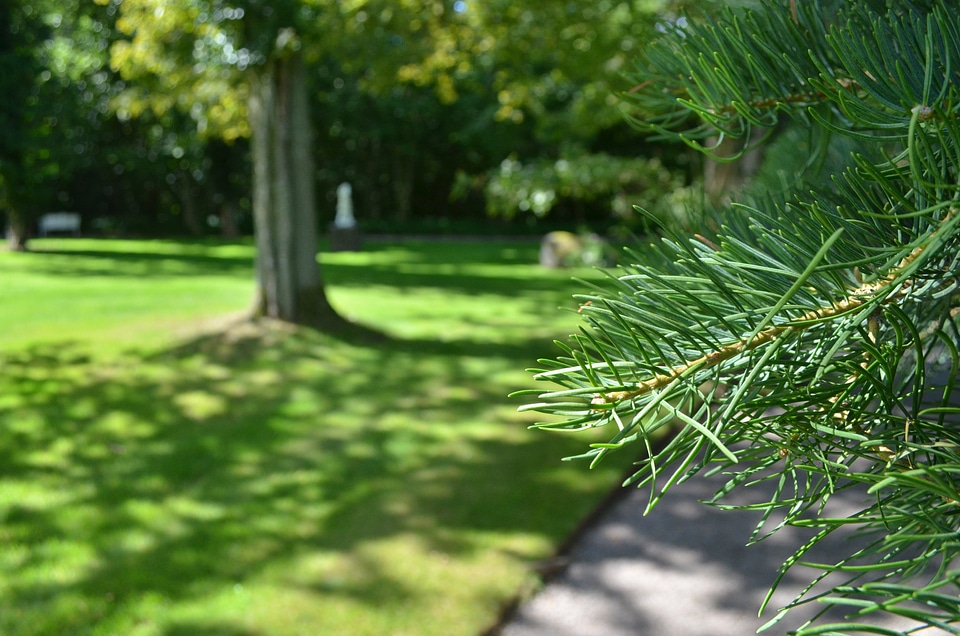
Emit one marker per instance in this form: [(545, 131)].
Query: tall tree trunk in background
[(284, 207), (191, 217), (228, 221), (722, 179), (18, 71), (17, 233), (403, 175), (373, 209)]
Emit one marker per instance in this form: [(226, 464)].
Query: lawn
[(167, 468)]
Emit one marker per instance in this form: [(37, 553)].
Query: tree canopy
[(239, 70), (416, 105)]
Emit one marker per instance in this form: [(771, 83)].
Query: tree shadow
[(212, 464), (684, 569), (446, 251), (454, 266), (454, 279), (166, 259)]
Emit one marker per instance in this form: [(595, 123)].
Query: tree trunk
[(403, 175), (17, 233), (284, 207), (228, 221), (723, 178), (191, 217)]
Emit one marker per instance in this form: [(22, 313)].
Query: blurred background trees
[(439, 114)]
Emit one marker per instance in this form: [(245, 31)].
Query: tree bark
[(403, 175), (191, 217), (228, 221), (17, 233), (289, 284), (723, 178)]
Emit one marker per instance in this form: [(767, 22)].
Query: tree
[(285, 214), (26, 154), (810, 343), (16, 70), (550, 66), (63, 147), (238, 70)]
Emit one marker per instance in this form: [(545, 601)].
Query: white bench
[(59, 222)]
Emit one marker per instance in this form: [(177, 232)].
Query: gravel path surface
[(683, 570)]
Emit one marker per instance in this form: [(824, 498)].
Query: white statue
[(344, 220)]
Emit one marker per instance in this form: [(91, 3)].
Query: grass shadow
[(263, 456), (82, 258)]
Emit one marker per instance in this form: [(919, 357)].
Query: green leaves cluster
[(621, 182), (55, 86), (811, 342)]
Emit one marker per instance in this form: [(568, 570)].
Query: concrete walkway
[(683, 570)]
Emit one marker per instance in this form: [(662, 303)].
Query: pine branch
[(727, 76), (893, 288), (798, 345), (722, 73)]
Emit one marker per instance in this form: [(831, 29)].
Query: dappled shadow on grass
[(207, 629), (471, 268), (268, 458), (86, 261), (465, 279), (446, 250)]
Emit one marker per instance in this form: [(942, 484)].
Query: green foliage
[(619, 183), (554, 61), (170, 469), (553, 66), (187, 56), (809, 343), (22, 112), (64, 148), (134, 113)]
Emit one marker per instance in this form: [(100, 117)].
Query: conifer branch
[(855, 299), (783, 362)]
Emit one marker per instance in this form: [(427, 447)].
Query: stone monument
[(344, 233)]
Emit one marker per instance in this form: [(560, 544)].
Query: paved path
[(683, 570)]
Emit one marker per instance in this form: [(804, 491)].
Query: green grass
[(168, 469)]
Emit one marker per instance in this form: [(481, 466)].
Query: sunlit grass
[(129, 292), (166, 468)]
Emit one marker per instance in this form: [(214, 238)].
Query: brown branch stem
[(856, 298)]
